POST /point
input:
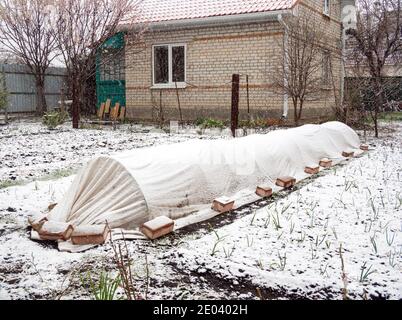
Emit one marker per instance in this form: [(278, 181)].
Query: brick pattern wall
[(213, 55), (331, 27)]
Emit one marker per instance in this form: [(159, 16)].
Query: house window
[(326, 7), (112, 65), (169, 65), (326, 68)]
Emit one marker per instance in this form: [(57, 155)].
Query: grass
[(374, 243), (219, 239), (390, 237), (104, 289), (276, 221), (124, 263), (391, 259), (390, 116), (207, 123), (365, 272), (57, 174), (229, 252), (10, 183)]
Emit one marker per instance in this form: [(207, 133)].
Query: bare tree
[(26, 32), (3, 95), (299, 75), (81, 28), (377, 41)]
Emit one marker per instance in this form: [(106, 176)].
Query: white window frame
[(327, 7), (170, 84)]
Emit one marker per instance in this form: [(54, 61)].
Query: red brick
[(263, 191), (222, 204), (95, 234), (37, 221), (311, 170), (52, 230), (157, 227), (285, 182), (364, 147), (326, 163), (348, 154)]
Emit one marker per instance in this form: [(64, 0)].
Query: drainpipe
[(285, 48), (343, 71)]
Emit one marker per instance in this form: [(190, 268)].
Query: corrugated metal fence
[(21, 87)]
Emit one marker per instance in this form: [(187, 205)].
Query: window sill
[(169, 86)]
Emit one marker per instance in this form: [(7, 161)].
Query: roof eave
[(212, 21)]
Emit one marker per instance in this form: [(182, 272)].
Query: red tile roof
[(168, 10)]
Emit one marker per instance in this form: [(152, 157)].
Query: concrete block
[(157, 227)]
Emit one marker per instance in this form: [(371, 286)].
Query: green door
[(110, 71)]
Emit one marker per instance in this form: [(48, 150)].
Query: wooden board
[(115, 112), (101, 110), (107, 105), (122, 113)]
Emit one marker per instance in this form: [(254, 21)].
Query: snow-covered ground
[(28, 150), (287, 247)]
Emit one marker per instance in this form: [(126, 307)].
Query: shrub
[(53, 119), (209, 123), (3, 93), (259, 123), (199, 121)]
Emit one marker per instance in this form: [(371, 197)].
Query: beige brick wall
[(213, 55), (331, 27)]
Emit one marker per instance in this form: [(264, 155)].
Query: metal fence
[(20, 83)]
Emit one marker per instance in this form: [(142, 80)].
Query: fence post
[(235, 103), (248, 98)]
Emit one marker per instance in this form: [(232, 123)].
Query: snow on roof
[(169, 10)]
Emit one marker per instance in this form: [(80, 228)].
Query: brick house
[(190, 49), (357, 72)]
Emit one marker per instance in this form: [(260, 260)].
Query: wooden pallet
[(107, 106), (108, 115), (114, 113), (101, 110)]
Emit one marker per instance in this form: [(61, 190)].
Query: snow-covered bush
[(54, 118)]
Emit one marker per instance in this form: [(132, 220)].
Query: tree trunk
[(379, 102), (41, 105), (6, 115), (300, 110), (295, 119), (75, 108), (376, 123)]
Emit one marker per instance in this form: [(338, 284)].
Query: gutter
[(209, 21)]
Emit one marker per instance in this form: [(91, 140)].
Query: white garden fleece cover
[(181, 180)]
